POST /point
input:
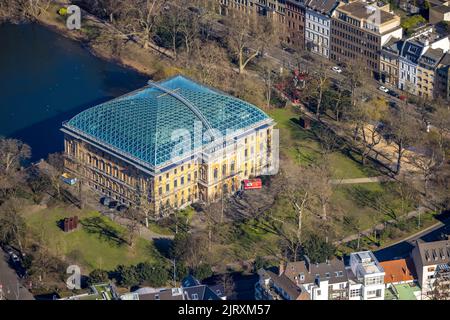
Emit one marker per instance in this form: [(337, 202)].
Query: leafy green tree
[(202, 271), (153, 275), (317, 249), (98, 276), (126, 276)]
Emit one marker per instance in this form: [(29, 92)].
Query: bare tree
[(248, 35), (402, 127), (140, 18), (133, 223), (317, 85), (12, 226)]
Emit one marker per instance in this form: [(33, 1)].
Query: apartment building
[(360, 30), (366, 277), (432, 262), (318, 26), (439, 13), (322, 281), (442, 78), (271, 286), (295, 23), (426, 69), (389, 61), (412, 51)]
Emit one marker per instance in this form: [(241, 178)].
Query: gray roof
[(432, 253), (431, 57), (394, 45), (333, 271), (323, 6), (441, 9), (446, 59), (283, 282), (361, 10), (166, 294)]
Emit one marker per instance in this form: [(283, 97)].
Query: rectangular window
[(182, 181), (160, 190), (175, 183)]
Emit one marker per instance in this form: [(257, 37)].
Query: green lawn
[(98, 243), (368, 204), (303, 147)]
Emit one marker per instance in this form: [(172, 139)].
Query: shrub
[(98, 276), (202, 271)]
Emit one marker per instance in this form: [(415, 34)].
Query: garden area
[(98, 242)]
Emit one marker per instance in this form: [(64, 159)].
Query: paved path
[(361, 180), (380, 226), (11, 288)]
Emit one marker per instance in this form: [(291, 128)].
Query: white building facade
[(366, 281), (318, 26)]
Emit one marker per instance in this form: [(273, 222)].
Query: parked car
[(336, 69), (393, 104), (15, 258), (113, 204), (122, 207), (393, 93), (289, 50), (384, 89), (105, 201)]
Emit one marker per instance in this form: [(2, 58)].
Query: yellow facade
[(176, 186)]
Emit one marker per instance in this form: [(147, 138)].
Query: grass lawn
[(97, 243), (303, 147), (369, 204)]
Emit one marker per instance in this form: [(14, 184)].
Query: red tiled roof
[(397, 270)]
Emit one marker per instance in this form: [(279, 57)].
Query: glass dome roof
[(141, 123)]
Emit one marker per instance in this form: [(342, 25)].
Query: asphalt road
[(404, 248), (10, 284)]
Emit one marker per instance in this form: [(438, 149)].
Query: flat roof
[(364, 11)]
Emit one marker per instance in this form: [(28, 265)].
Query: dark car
[(122, 208), (393, 104), (393, 93), (105, 201), (113, 204)]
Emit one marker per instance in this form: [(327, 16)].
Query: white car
[(336, 69), (384, 89)]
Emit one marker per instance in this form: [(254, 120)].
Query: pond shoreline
[(47, 21)]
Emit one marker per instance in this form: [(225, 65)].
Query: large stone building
[(389, 68), (432, 263), (442, 78), (295, 23), (170, 144), (417, 45), (318, 26), (359, 31)]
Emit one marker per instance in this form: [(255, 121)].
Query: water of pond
[(46, 79)]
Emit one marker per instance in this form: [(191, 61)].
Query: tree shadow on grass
[(96, 225), (163, 246)]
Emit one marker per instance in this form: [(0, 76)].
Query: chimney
[(308, 264), (281, 268)]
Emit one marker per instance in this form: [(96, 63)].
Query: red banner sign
[(252, 184)]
